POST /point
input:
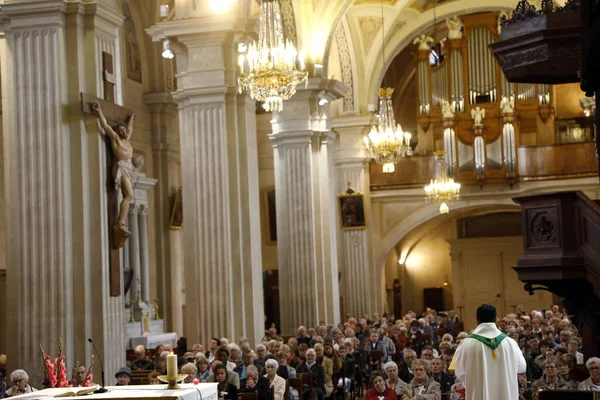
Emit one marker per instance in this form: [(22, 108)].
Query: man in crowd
[(142, 362)]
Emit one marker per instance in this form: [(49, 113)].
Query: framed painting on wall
[(271, 216), (177, 211), (352, 210)]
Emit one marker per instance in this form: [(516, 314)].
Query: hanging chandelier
[(269, 70), (442, 190), (387, 143)]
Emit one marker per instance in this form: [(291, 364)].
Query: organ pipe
[(508, 134)]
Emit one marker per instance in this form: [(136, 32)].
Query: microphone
[(102, 389)]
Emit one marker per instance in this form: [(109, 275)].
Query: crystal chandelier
[(269, 70), (442, 189), (387, 143)]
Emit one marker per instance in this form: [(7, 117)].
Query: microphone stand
[(102, 389)]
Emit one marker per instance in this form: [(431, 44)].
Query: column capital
[(306, 111), (195, 31)]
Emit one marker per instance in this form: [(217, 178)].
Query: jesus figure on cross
[(123, 170)]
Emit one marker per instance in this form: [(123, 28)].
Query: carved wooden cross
[(113, 113)]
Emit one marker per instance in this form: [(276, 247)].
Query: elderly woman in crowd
[(190, 370), (593, 382), (421, 387), (392, 381), (20, 385), (275, 381), (380, 391)]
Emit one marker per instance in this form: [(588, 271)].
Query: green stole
[(491, 343)]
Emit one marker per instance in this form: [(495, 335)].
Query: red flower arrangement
[(56, 371)]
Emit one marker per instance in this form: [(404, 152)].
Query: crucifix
[(119, 162)]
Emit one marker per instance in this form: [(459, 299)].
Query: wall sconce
[(588, 105), (402, 259)]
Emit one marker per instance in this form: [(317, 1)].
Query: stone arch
[(426, 214)]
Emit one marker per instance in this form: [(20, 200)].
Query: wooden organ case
[(467, 78)]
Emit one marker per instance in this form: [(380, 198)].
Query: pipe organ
[(468, 77)]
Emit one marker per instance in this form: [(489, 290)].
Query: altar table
[(203, 391)]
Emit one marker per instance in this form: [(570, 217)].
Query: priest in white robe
[(487, 361)]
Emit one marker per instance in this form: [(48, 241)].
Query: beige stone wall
[(482, 273)]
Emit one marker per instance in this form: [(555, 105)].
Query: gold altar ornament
[(173, 381)]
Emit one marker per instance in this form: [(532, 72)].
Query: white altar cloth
[(203, 391)]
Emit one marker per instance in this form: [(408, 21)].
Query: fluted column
[(221, 231), (134, 252), (306, 207), (356, 281), (145, 264), (57, 233), (169, 242)]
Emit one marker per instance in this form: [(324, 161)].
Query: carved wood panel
[(543, 227)]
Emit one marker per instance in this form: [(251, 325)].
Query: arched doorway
[(458, 261)]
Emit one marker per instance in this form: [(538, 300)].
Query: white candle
[(171, 367)]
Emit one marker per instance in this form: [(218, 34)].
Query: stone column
[(134, 253), (145, 265), (355, 266), (222, 238), (168, 242), (126, 266), (57, 233), (306, 207)]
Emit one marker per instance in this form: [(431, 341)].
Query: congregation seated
[(421, 387), (141, 360), (338, 360), (20, 384)]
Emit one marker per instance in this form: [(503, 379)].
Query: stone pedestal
[(57, 246), (221, 234), (357, 280), (306, 207)]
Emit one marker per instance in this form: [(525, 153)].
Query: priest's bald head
[(486, 313)]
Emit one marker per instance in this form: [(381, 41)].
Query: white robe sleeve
[(521, 363), (460, 360)]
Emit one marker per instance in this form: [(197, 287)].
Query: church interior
[(158, 193)]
